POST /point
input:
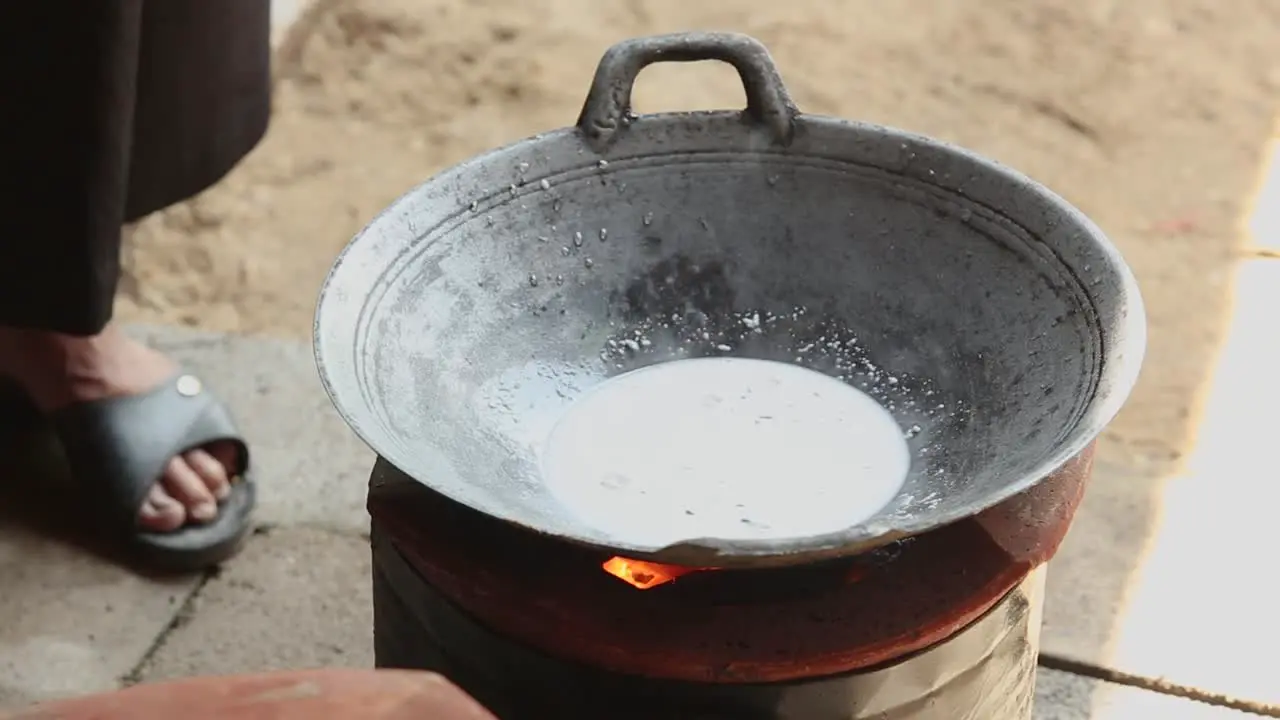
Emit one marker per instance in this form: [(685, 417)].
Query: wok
[(460, 323)]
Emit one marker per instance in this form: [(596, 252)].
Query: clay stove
[(944, 625)]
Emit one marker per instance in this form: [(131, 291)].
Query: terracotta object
[(292, 695)]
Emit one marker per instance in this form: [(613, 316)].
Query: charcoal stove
[(941, 626), (993, 326)]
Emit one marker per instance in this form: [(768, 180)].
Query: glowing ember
[(645, 575)]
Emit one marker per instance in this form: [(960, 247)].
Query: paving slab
[(1089, 581), (1062, 696), (296, 598), (71, 622), (310, 468)]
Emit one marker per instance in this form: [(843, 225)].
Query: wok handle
[(607, 109)]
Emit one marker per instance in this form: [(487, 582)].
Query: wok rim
[(1121, 358)]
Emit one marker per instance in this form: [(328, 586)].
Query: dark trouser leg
[(204, 96), (113, 110), (67, 79)]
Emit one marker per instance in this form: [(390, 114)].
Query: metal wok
[(454, 329)]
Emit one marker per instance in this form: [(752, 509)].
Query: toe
[(212, 473), (160, 512), (187, 487)]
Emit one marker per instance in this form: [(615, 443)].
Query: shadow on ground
[(37, 493)]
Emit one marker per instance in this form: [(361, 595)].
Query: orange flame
[(645, 575)]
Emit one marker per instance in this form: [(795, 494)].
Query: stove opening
[(733, 586), (642, 574)]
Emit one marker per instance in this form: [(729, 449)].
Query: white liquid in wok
[(726, 448)]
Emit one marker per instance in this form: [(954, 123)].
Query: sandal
[(125, 442)]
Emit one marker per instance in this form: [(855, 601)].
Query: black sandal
[(124, 444)]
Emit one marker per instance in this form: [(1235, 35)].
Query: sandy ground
[(1148, 114)]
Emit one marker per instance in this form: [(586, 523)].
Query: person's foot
[(61, 370)]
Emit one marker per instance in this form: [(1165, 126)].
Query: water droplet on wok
[(577, 239), (474, 205), (647, 219), (533, 280), (604, 234), (589, 263), (544, 184), (603, 163)]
